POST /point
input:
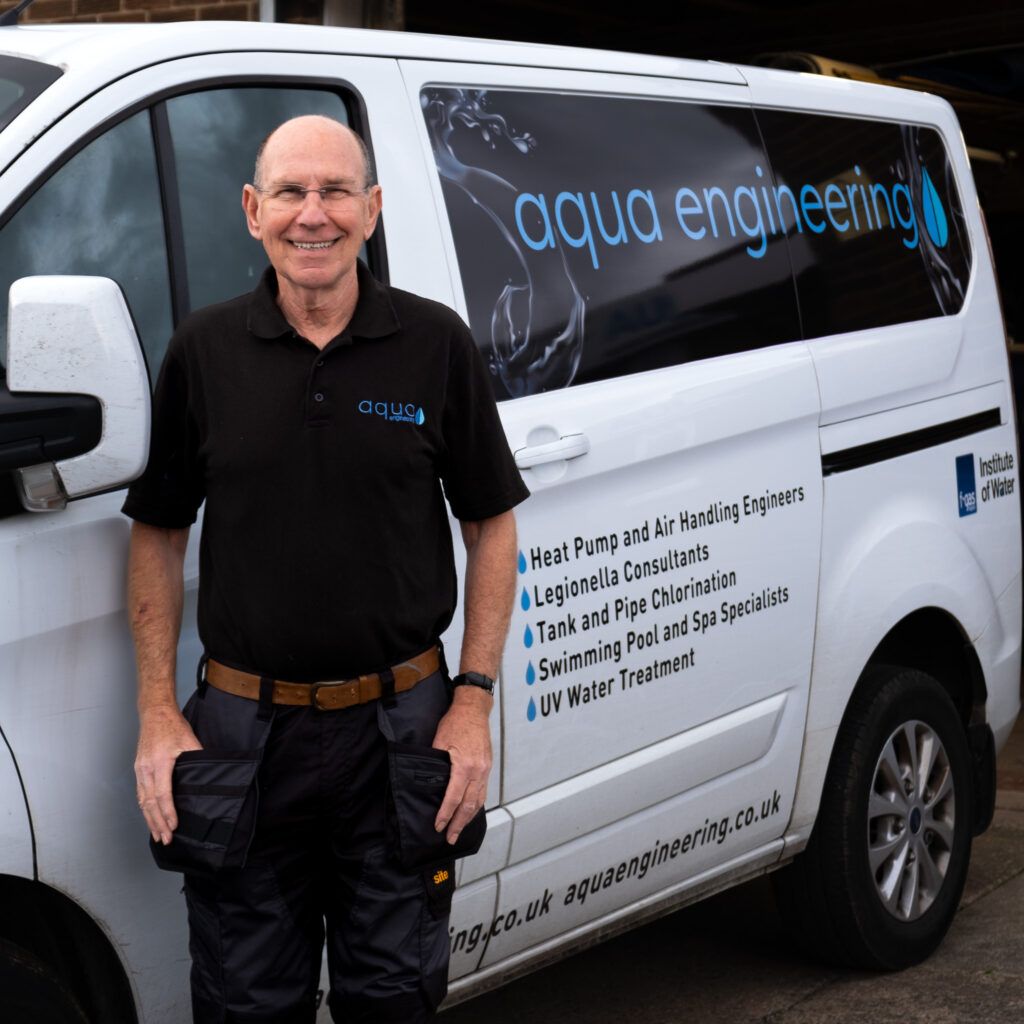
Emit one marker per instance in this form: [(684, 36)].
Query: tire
[(882, 875), (31, 992)]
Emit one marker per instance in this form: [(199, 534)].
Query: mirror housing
[(74, 336)]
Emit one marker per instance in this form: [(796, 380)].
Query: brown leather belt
[(327, 696)]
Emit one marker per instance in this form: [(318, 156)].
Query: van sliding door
[(609, 248)]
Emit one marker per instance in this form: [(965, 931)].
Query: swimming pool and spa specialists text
[(610, 613), (636, 866)]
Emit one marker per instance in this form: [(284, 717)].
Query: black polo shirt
[(325, 550)]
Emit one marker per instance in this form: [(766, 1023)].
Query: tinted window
[(216, 135), (599, 236), (21, 81), (100, 214), (874, 220)]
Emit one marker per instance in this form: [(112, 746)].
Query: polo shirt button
[(319, 362), (319, 396)]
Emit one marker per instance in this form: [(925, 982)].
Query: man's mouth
[(314, 245)]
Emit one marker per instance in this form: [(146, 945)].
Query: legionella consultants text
[(754, 211)]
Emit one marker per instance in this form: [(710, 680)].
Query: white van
[(745, 335)]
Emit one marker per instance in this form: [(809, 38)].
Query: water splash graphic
[(948, 286), (531, 675), (525, 600), (420, 417), (527, 361), (528, 637), (522, 562), (531, 711)]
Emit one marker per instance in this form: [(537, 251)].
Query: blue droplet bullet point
[(530, 674), (522, 562), (525, 600), (528, 637), (531, 711), (419, 420)]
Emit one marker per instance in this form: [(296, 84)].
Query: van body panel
[(15, 827), (999, 648)]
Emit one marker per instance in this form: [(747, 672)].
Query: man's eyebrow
[(344, 182)]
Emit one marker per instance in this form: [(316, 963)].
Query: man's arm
[(464, 731), (155, 597)]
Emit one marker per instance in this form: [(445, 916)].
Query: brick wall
[(50, 11)]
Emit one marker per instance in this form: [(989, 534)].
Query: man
[(317, 418)]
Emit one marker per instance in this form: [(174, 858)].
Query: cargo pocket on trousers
[(216, 794), (418, 777)]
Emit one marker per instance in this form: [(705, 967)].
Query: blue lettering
[(575, 199), (711, 193), (548, 239), (910, 221), (366, 405), (831, 206), (752, 230), (620, 235), (786, 190), (682, 212), (648, 199), (381, 408), (812, 203), (877, 190)]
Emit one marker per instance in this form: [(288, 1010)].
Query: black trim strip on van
[(904, 444), (167, 173)]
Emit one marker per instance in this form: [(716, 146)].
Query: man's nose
[(313, 210)]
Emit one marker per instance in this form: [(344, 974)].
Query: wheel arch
[(55, 929)]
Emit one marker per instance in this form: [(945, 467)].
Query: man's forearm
[(489, 591), (155, 598)]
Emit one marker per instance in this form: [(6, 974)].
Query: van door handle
[(571, 446)]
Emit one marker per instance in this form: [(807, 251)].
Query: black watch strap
[(474, 679)]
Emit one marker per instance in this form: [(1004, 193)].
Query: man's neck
[(319, 314)]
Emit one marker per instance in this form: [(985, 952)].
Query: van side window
[(99, 214), (873, 217), (600, 235), (215, 135)]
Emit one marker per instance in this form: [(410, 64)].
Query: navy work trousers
[(319, 856)]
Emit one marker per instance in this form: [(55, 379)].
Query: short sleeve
[(171, 489), (479, 474)]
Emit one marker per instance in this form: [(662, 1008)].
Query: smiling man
[(318, 418)]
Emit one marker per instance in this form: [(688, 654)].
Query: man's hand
[(465, 734), (163, 735)]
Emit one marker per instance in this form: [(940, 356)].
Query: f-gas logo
[(966, 491), (396, 412)]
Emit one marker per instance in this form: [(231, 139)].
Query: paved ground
[(728, 961)]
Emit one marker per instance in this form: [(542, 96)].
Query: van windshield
[(21, 81)]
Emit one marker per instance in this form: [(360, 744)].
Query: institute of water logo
[(394, 412), (966, 492)]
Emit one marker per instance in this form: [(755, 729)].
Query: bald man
[(318, 418)]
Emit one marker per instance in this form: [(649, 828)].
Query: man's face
[(312, 245)]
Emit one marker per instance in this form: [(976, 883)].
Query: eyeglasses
[(295, 195)]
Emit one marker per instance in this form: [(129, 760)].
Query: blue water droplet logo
[(522, 562), (525, 600), (531, 711), (531, 675), (934, 214), (528, 637), (420, 417)]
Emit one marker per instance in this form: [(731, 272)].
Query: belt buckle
[(345, 685)]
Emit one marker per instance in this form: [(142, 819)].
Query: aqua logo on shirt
[(395, 412)]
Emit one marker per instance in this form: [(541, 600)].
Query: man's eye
[(290, 192), (335, 192)]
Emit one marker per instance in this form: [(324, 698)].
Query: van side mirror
[(76, 421)]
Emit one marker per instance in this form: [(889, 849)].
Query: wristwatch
[(485, 683)]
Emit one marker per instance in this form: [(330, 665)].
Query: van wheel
[(33, 993), (882, 875)]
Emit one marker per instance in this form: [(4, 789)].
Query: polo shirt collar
[(373, 317)]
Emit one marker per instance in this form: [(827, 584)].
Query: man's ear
[(375, 199), (251, 205)]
